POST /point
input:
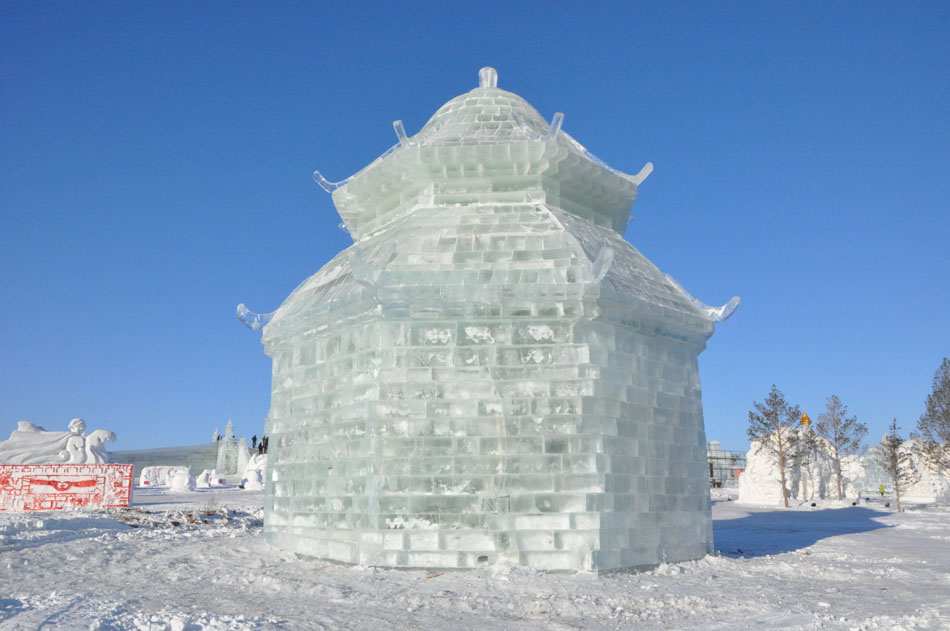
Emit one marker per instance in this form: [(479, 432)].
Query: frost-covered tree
[(843, 432), (897, 463), (772, 425), (934, 424)]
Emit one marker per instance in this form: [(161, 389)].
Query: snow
[(852, 568)]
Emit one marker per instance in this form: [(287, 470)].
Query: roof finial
[(488, 77)]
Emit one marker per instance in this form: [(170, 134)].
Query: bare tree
[(934, 424), (772, 425), (844, 433), (897, 463)]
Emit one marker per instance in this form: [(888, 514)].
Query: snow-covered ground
[(197, 561)]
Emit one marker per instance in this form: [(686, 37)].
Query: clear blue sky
[(156, 160)]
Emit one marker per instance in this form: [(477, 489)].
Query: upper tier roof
[(487, 145), (486, 114)]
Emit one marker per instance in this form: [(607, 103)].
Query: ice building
[(490, 372)]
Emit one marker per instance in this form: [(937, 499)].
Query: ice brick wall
[(647, 406)]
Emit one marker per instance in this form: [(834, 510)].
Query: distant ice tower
[(490, 372)]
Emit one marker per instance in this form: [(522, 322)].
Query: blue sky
[(156, 160)]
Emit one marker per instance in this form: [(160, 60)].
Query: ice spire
[(488, 77)]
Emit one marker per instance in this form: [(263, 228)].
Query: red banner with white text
[(32, 487)]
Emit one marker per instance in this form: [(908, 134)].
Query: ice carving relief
[(31, 444)]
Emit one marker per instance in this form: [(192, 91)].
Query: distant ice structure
[(490, 372), (232, 451), (31, 444), (760, 483)]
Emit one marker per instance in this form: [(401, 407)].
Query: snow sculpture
[(182, 481), (160, 475), (810, 478), (210, 477), (203, 481), (256, 473), (31, 444), (929, 483), (490, 372), (814, 478)]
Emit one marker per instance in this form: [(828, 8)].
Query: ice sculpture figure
[(490, 372)]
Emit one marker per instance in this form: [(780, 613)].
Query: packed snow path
[(197, 561)]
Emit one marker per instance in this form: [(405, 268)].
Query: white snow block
[(490, 372)]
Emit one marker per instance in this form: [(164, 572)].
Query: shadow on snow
[(774, 532)]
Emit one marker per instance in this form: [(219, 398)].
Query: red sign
[(28, 487)]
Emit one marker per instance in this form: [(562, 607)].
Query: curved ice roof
[(482, 146), (483, 115), (479, 254)]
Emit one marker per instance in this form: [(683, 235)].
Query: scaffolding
[(724, 466)]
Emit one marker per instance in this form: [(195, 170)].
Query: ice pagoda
[(490, 372)]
